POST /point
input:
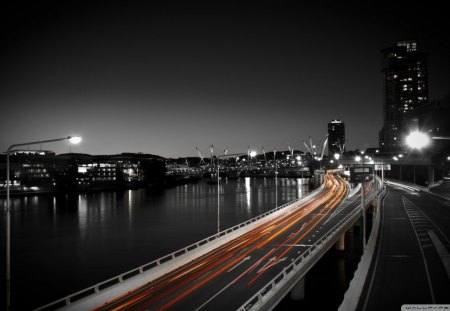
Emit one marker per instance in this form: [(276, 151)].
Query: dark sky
[(170, 77)]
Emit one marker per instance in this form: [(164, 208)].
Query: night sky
[(166, 78)]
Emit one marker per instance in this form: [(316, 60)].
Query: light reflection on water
[(61, 244)]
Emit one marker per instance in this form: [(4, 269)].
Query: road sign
[(385, 167), (360, 173)]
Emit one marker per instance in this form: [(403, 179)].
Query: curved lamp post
[(73, 140)]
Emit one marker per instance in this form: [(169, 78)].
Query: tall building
[(336, 137), (405, 88)]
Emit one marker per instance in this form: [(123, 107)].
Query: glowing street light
[(357, 158), (417, 140), (73, 140), (337, 156)]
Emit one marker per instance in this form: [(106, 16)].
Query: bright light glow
[(448, 158), (400, 155), (340, 166), (362, 151), (75, 140), (395, 158), (357, 158), (337, 156), (417, 140), (331, 161), (298, 158)]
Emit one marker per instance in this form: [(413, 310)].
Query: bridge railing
[(301, 261), (97, 288)]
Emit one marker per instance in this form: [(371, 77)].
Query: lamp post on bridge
[(73, 140)]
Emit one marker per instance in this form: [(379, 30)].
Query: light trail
[(228, 261)]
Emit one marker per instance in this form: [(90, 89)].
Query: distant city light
[(417, 140), (336, 156), (252, 153), (357, 158)]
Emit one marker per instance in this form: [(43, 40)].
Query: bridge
[(252, 265)]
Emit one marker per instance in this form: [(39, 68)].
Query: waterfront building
[(405, 88)]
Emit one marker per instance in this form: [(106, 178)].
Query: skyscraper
[(336, 137), (405, 88)]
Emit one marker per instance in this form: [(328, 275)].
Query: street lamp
[(417, 140), (73, 140)]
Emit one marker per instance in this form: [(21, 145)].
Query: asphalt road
[(406, 268)]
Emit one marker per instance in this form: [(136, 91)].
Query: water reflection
[(248, 192)]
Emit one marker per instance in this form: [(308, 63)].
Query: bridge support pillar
[(340, 244), (298, 291)]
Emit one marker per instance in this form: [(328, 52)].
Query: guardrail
[(414, 187), (97, 288), (305, 259)]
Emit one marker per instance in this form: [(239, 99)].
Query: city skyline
[(166, 79)]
